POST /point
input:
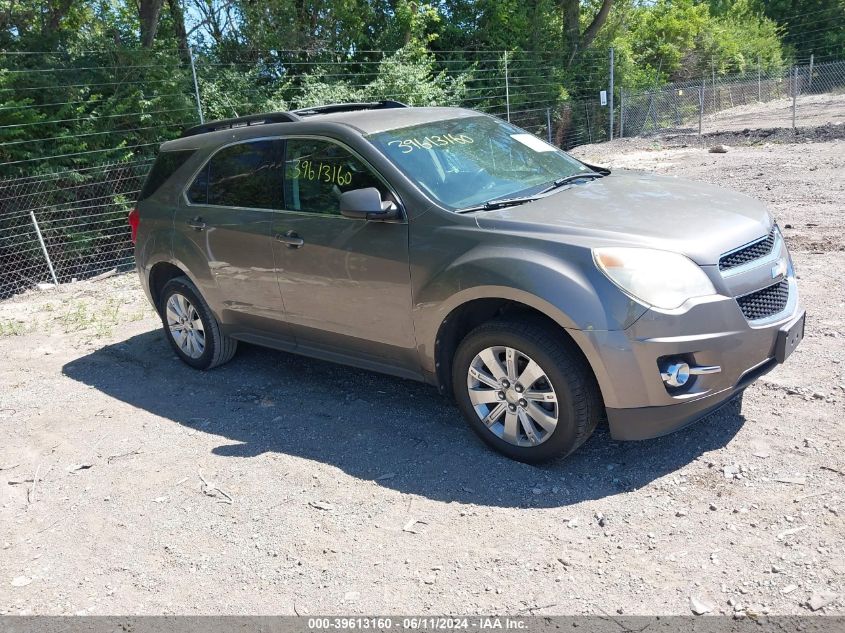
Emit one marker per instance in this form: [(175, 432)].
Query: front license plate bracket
[(788, 339)]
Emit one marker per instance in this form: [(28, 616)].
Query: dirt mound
[(816, 134)]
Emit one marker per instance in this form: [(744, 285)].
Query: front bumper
[(644, 423), (709, 332)]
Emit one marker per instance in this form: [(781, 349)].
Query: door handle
[(198, 224), (290, 239)]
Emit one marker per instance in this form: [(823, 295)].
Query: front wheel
[(191, 328), (524, 390)]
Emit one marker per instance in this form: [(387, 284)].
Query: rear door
[(345, 282), (227, 216)]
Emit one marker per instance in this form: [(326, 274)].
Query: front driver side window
[(317, 172)]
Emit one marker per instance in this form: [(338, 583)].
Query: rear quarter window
[(246, 174), (165, 166)]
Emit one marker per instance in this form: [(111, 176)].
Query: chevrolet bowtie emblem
[(779, 269)]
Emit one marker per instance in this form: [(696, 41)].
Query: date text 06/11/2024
[(416, 623)]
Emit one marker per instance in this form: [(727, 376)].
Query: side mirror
[(366, 204)]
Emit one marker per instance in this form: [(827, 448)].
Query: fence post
[(507, 89), (589, 124), (43, 247), (794, 93), (610, 101), (196, 85), (714, 87), (810, 78), (700, 108), (549, 124), (654, 111), (759, 80), (622, 113)]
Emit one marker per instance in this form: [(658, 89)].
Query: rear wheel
[(524, 391), (191, 328)]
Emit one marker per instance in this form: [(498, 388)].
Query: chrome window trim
[(318, 137)]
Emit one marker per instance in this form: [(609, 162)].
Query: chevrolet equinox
[(448, 246)]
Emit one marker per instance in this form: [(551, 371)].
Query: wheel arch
[(555, 283), (469, 314), (160, 273), (163, 270)]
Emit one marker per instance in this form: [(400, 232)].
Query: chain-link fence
[(66, 225), (807, 96), (73, 158), (569, 125)]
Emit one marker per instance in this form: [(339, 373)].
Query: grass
[(9, 327), (101, 318)]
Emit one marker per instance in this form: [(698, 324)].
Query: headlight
[(658, 278)]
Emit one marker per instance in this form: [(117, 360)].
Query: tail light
[(134, 220)]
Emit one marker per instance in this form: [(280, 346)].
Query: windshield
[(468, 161)]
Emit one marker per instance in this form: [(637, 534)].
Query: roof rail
[(241, 121), (384, 104), (288, 117)]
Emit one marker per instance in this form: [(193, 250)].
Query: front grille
[(755, 250), (766, 302)]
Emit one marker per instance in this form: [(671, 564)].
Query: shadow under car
[(399, 433)]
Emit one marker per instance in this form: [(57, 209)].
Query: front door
[(345, 282), (229, 218)]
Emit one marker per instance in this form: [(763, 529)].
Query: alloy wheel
[(185, 325), (512, 396)]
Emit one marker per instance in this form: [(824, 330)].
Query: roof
[(374, 121), (364, 120)]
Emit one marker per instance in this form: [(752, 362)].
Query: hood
[(630, 208)]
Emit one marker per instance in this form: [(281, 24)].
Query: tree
[(679, 40), (810, 26), (577, 41), (148, 12), (178, 18)]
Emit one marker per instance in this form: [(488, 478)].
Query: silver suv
[(447, 246)]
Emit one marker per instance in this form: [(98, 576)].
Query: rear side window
[(165, 166), (242, 175)]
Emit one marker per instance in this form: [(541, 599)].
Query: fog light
[(676, 374)]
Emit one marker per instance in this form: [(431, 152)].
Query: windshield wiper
[(501, 203), (567, 179)]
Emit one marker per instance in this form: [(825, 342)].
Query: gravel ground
[(280, 485)]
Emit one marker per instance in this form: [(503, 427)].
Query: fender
[(160, 247), (147, 254), (153, 246), (563, 285)]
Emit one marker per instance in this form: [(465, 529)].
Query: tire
[(567, 390), (181, 303)]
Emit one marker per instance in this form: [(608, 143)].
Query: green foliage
[(234, 91), (409, 75), (809, 26), (315, 89), (146, 95), (501, 25), (93, 96), (740, 37), (88, 108), (679, 40)]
